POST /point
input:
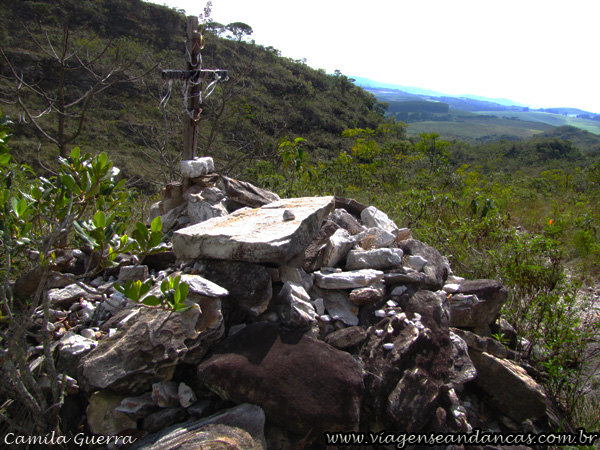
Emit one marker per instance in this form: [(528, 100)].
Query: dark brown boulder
[(477, 303), (301, 383)]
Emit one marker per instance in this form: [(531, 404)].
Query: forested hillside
[(524, 211), (265, 99)]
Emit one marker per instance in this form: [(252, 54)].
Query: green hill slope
[(556, 120), (584, 140), (480, 130), (508, 120), (267, 97)]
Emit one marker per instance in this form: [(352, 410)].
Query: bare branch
[(32, 120), (69, 56), (42, 164), (86, 65), (81, 119), (39, 45)]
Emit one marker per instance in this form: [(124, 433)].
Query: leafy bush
[(36, 221), (489, 225), (40, 218), (173, 293)]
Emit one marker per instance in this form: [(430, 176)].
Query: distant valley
[(473, 118)]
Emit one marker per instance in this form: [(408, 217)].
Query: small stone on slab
[(288, 215), (204, 287), (373, 217)]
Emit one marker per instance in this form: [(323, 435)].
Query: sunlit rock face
[(255, 235)]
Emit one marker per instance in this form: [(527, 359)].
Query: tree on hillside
[(239, 30), (216, 28), (67, 61)]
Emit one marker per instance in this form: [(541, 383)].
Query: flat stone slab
[(510, 388), (377, 258), (348, 280), (255, 235), (202, 286)]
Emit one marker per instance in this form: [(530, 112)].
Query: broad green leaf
[(142, 230), (145, 288), (22, 207), (156, 224), (155, 239), (151, 300), (36, 193), (120, 184), (132, 289), (15, 206), (110, 217), (112, 253), (85, 181), (97, 235), (183, 288), (94, 190), (68, 181), (75, 153), (102, 159), (100, 219), (4, 159)]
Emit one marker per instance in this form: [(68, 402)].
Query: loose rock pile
[(309, 315)]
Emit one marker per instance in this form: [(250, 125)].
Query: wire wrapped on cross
[(194, 78)]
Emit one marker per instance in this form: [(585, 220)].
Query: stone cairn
[(309, 315)]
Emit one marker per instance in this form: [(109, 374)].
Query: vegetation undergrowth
[(532, 229), (41, 220)]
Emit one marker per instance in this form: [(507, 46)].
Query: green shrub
[(39, 217), (173, 293)]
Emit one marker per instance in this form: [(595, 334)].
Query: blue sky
[(540, 53)]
